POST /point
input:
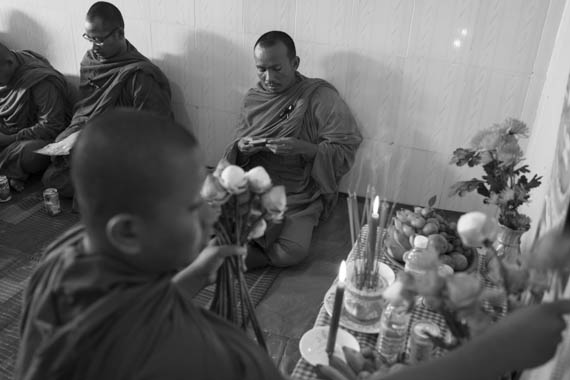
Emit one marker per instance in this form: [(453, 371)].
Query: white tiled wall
[(420, 75)]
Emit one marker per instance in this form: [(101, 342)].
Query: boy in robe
[(112, 299)]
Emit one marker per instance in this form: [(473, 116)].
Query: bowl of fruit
[(441, 233)]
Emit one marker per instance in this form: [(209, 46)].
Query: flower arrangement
[(505, 183), (248, 202), (468, 307)]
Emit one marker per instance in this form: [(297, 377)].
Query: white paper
[(60, 148)]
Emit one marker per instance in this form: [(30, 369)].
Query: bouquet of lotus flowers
[(248, 201)]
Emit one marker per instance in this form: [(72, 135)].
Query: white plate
[(313, 345)]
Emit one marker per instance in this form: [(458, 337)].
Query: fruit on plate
[(442, 237)]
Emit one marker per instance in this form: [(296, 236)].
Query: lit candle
[(372, 228), (337, 308)]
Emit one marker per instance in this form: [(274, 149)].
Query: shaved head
[(137, 178), (8, 64), (4, 52), (108, 13), (124, 162)]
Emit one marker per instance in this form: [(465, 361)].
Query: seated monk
[(113, 74), (307, 141), (112, 300), (35, 106)]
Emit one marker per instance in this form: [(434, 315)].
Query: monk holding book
[(302, 132), (113, 74)]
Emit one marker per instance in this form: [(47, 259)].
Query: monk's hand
[(6, 140), (286, 146), (203, 270), (245, 146)]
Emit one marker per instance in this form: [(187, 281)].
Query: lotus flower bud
[(258, 180), (222, 164), (476, 229), (212, 191), (233, 179), (463, 290), (258, 230), (274, 202)]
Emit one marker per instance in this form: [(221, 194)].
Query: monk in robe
[(35, 106), (112, 74), (113, 299), (303, 133)]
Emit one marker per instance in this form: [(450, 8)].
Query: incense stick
[(350, 218)]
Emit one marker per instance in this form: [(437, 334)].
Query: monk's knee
[(286, 254)]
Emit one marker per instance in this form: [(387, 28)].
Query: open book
[(60, 148)]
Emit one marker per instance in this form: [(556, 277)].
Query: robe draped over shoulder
[(319, 116), (92, 317), (34, 81), (128, 80)]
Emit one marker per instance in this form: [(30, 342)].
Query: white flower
[(274, 202), (258, 180), (212, 191), (233, 179), (393, 293), (222, 164), (476, 229), (258, 230), (486, 157)]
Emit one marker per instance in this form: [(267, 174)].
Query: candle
[(372, 228), (337, 308)]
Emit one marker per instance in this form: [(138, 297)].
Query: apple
[(429, 229), (438, 243)]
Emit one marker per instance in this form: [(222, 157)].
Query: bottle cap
[(420, 241)]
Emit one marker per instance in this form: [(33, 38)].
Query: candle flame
[(342, 271), (376, 205)]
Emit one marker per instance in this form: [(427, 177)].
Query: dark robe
[(319, 116), (35, 106), (92, 317), (129, 80)]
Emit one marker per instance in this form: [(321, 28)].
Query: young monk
[(112, 300)]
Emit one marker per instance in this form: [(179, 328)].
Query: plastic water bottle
[(421, 260), (393, 331)]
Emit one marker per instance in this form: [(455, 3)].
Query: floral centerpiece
[(505, 183), (248, 202)]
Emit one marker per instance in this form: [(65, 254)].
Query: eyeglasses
[(98, 41)]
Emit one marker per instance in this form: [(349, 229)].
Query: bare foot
[(17, 185)]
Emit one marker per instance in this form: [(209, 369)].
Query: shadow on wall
[(389, 158), (24, 33), (209, 78)]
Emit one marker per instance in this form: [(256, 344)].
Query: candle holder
[(363, 295)]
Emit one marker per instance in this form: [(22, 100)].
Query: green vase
[(508, 244)]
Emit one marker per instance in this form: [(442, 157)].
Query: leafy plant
[(506, 182)]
